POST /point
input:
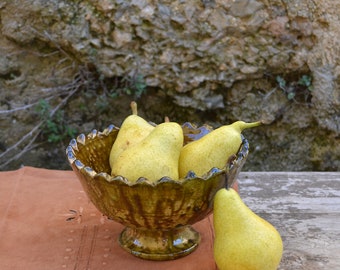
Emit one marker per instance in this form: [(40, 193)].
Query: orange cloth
[(47, 222)]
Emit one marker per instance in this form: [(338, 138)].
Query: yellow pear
[(243, 240), (213, 149), (154, 157), (134, 129)]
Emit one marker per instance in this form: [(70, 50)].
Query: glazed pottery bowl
[(156, 215)]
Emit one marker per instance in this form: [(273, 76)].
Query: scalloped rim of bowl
[(237, 159)]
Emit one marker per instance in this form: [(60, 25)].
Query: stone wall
[(207, 61)]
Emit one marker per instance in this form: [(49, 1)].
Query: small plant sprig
[(54, 126), (136, 86), (303, 87), (306, 81), (130, 85)]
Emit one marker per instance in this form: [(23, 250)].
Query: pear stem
[(244, 125), (166, 119), (133, 106), (253, 124)]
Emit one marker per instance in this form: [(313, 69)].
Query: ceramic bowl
[(157, 216)]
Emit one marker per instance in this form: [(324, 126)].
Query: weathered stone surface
[(211, 61)]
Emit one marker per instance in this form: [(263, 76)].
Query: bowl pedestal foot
[(159, 245)]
